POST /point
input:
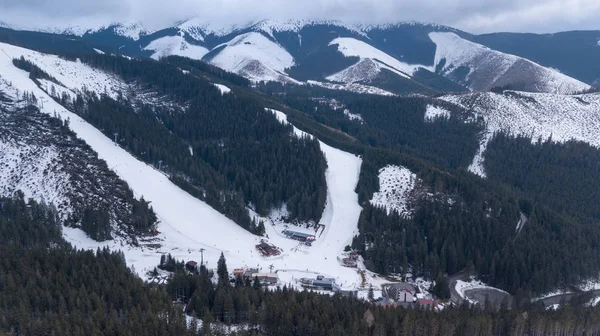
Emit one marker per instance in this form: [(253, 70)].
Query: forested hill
[(467, 222), (225, 149)]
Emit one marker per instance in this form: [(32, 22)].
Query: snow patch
[(396, 184), (99, 51), (435, 112), (353, 116), (353, 87), (224, 89), (594, 302)]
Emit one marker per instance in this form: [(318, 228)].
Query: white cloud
[(471, 15)]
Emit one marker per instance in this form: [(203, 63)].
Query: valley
[(365, 167)]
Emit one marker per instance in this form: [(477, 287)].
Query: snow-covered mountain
[(399, 58), (537, 115), (255, 57), (175, 45), (372, 60), (481, 68)]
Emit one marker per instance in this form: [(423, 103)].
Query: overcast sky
[(477, 16)]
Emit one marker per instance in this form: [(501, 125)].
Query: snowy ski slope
[(188, 224)]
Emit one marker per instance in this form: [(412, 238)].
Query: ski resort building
[(266, 278), (403, 292), (267, 250), (321, 283), (301, 236)]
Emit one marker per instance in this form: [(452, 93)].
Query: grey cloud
[(471, 15)]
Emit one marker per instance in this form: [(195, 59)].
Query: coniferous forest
[(224, 149), (47, 287), (227, 150)]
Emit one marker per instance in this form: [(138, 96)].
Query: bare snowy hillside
[(45, 161), (175, 45), (481, 68), (372, 60), (539, 115), (255, 57)]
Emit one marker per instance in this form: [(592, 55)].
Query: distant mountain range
[(398, 58)]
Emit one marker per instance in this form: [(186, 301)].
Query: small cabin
[(191, 266)]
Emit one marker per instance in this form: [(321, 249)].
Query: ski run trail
[(187, 224)]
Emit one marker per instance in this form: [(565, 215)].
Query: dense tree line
[(225, 149), (458, 223), (34, 71), (283, 311), (564, 176), (47, 287), (207, 70), (398, 123)]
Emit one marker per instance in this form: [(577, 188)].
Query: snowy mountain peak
[(481, 68), (199, 28), (272, 26), (132, 30)]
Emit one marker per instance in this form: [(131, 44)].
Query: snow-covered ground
[(224, 89), (187, 224), (463, 286), (75, 76), (26, 169), (594, 302), (590, 285), (395, 186), (539, 115), (352, 47), (175, 45), (434, 112), (255, 57), (352, 87), (353, 116), (551, 294), (489, 68)]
